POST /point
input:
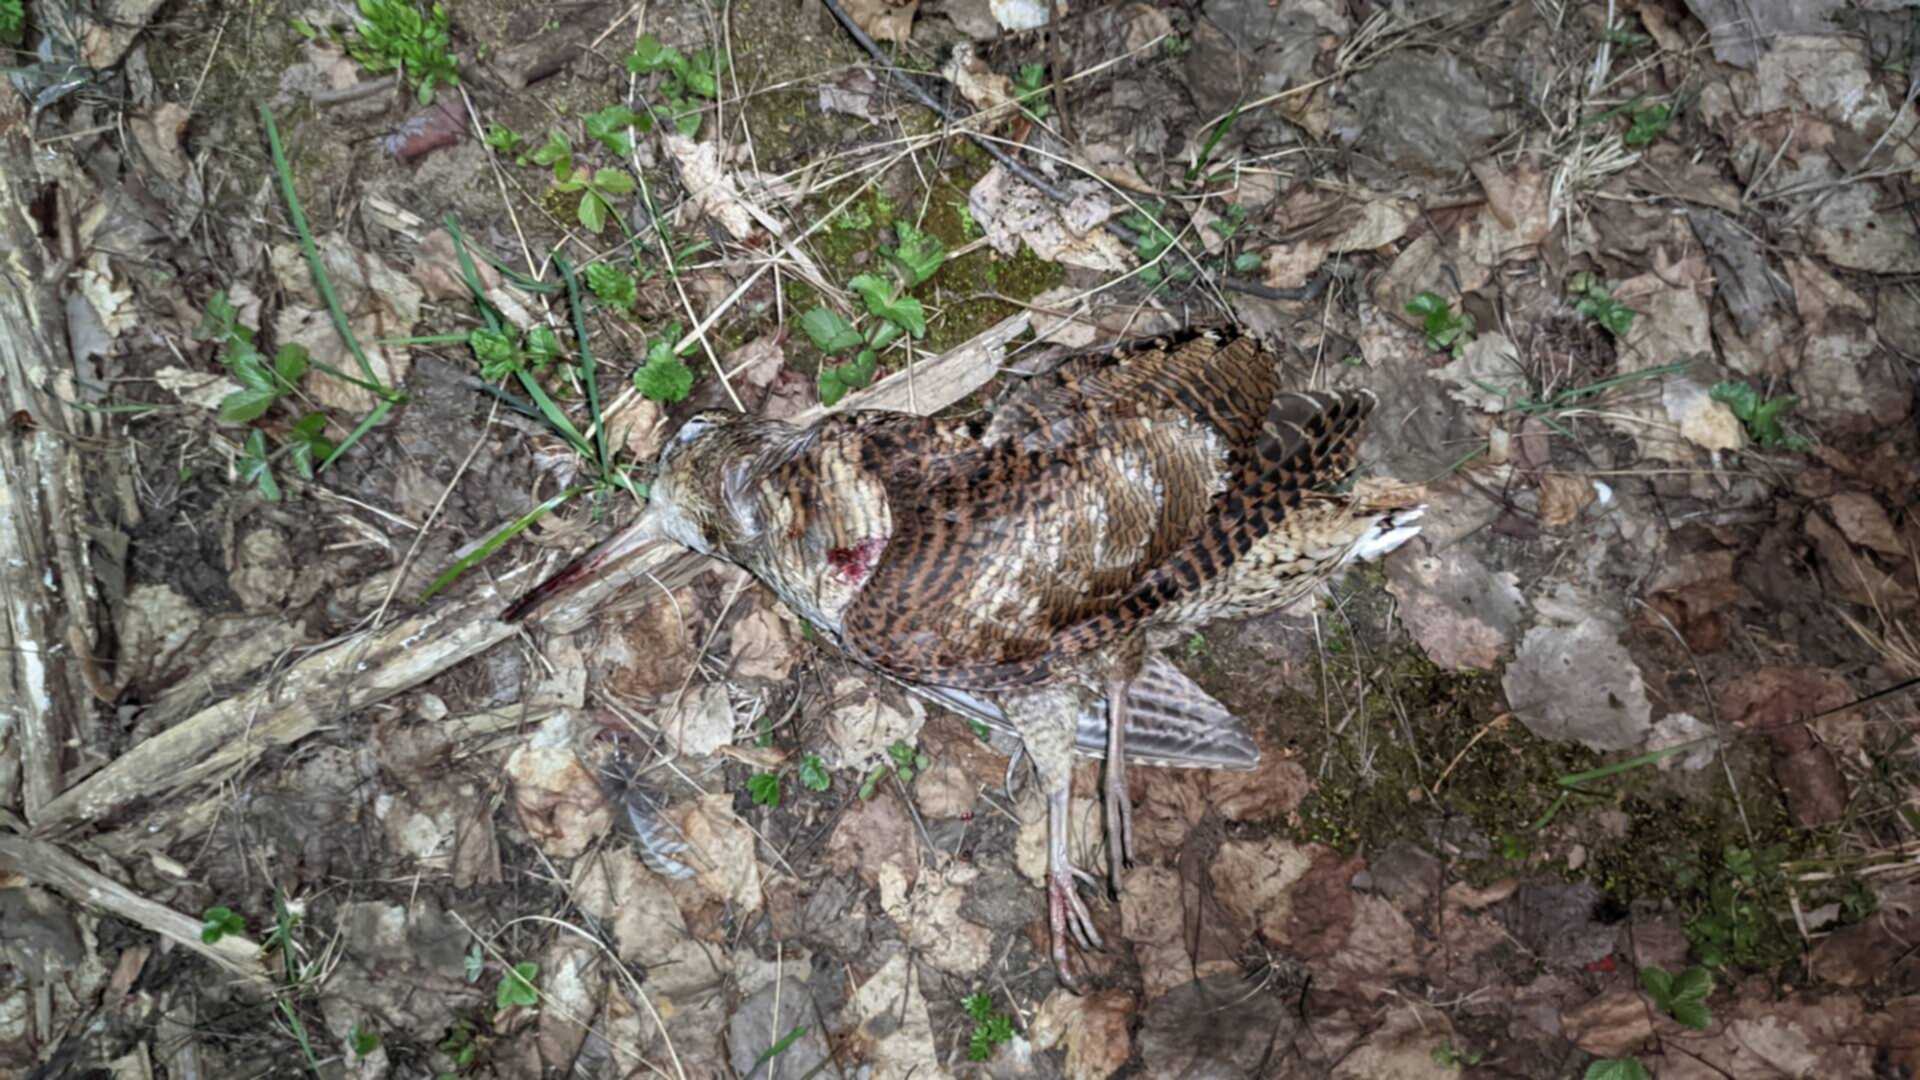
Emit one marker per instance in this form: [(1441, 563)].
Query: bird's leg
[(1066, 912), (1046, 719), (1118, 805)]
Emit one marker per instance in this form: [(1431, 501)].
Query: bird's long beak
[(590, 565)]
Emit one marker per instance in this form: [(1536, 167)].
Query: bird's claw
[(1070, 918)]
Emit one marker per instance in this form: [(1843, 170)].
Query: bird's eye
[(699, 424)]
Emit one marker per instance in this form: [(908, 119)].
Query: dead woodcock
[(1019, 568)]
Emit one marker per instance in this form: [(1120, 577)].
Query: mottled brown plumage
[(1020, 566)]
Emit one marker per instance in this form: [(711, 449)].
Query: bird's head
[(702, 498), (689, 497)]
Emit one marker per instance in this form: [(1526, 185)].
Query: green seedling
[(598, 190), (504, 140), (990, 1028), (1153, 240), (1762, 416), (813, 773), (612, 286), (1648, 124), (218, 922), (764, 789), (1030, 90), (556, 154), (1596, 302), (1447, 331), (612, 127), (682, 79), (665, 377), (395, 35), (1618, 1069), (1230, 223), (903, 761), (603, 475), (364, 1040), (916, 258), (516, 987), (1732, 926), (13, 21), (461, 1045), (1682, 996)]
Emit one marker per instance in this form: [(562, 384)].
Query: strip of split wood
[(363, 669)]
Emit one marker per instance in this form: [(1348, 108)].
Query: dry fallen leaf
[(710, 185), (762, 646), (1094, 1027), (557, 798), (723, 850), (883, 20), (1562, 497), (379, 301)]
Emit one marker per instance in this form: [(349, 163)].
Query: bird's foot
[(1069, 917)]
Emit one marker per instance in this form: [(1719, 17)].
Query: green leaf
[(649, 56), (290, 363), (516, 986), (556, 152), (542, 346), (221, 321), (1692, 1014), (664, 378), (256, 467), (609, 127), (828, 331), (830, 387), (686, 117), (1693, 984), (504, 139), (612, 182), (497, 353), (1029, 89), (1617, 1069), (1246, 262), (918, 255), (612, 285), (1427, 304), (363, 1040), (702, 74), (882, 300), (243, 406), (813, 773), (307, 446), (218, 922), (764, 789), (836, 381), (1658, 984), (593, 212), (250, 368)]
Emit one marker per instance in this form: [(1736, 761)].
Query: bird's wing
[(1065, 533)]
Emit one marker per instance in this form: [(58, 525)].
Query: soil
[(708, 845)]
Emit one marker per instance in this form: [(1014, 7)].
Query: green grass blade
[(588, 373), (378, 414), (321, 283), (492, 544)]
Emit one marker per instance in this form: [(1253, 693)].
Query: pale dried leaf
[(557, 799)]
